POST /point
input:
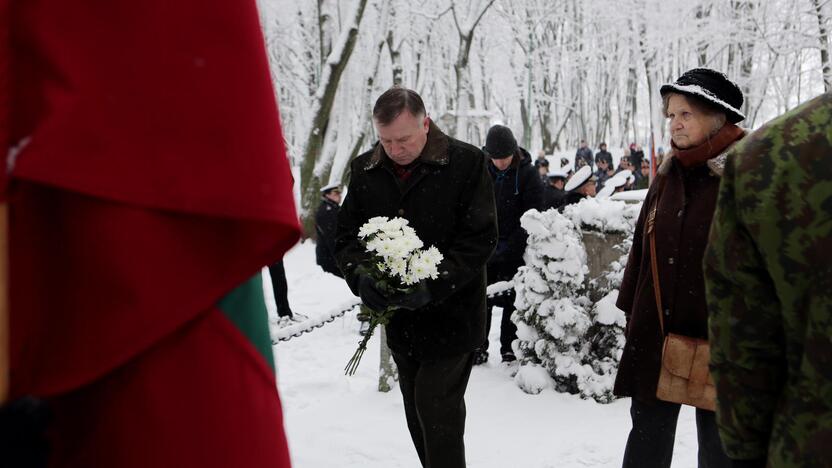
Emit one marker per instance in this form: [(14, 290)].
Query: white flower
[(372, 226), (398, 247)]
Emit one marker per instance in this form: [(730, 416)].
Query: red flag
[(148, 181)]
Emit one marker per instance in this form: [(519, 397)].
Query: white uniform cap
[(578, 178)]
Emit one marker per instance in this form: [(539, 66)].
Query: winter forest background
[(555, 71)]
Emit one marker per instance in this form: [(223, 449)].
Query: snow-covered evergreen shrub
[(560, 330)]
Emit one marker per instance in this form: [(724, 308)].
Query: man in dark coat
[(636, 156), (442, 187), (583, 157), (603, 155), (326, 223), (581, 185), (553, 192), (517, 189)]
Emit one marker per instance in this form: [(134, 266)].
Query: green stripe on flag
[(246, 308)]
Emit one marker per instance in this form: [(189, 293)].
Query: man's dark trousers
[(434, 404), (281, 289)]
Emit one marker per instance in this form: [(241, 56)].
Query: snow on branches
[(570, 334)]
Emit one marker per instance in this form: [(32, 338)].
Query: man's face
[(588, 188), (405, 137), (603, 147), (645, 169), (334, 195), (558, 183), (502, 164), (602, 164), (583, 144)]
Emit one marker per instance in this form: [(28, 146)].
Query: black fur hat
[(712, 87)]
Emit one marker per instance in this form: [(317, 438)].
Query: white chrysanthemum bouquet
[(398, 265)]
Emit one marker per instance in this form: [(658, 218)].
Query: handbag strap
[(650, 228)]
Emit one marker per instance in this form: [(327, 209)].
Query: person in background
[(624, 164), (767, 277), (636, 156), (541, 156), (702, 108), (583, 157), (564, 166), (517, 189), (644, 181), (603, 155), (581, 185), (553, 191), (326, 223), (603, 173), (280, 287), (543, 171)]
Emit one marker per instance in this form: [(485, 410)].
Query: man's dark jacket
[(449, 201), (326, 223), (516, 190)]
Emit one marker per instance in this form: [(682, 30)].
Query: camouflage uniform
[(768, 276)]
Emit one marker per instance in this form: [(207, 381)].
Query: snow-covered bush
[(560, 330)]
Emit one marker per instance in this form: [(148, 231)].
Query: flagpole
[(4, 302)]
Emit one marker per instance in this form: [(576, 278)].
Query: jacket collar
[(716, 164), (434, 152)]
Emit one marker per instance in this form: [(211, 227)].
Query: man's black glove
[(370, 295), (23, 443), (412, 300), (375, 299)]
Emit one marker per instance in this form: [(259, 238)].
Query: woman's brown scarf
[(712, 147)]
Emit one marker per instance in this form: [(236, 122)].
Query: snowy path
[(335, 421)]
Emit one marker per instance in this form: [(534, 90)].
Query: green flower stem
[(376, 319)]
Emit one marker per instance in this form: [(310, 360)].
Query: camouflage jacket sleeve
[(745, 323)]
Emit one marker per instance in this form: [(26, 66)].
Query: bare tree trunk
[(393, 46), (322, 107), (461, 72), (365, 105), (703, 12), (823, 38), (388, 373)]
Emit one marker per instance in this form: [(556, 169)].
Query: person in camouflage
[(768, 277)]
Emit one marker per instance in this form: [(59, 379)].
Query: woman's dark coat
[(683, 221)]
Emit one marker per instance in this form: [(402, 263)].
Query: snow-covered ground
[(344, 422)]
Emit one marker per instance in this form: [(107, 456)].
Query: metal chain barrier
[(502, 288)]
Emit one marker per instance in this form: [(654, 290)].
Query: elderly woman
[(702, 108)]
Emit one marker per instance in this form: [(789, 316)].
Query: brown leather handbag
[(684, 377)]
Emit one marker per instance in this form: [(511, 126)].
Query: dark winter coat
[(603, 155), (635, 159), (326, 223), (516, 190), (570, 198), (552, 197), (683, 219), (584, 154), (601, 177), (449, 201)]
